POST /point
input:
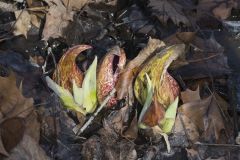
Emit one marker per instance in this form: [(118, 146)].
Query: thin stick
[(217, 145), (96, 113)]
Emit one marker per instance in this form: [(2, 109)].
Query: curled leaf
[(156, 68), (125, 82), (67, 71), (83, 100), (108, 73)]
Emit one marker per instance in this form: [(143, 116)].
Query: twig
[(217, 145), (96, 113)]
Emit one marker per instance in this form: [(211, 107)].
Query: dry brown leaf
[(108, 73), (75, 4), (209, 117), (180, 37), (117, 119), (177, 38), (185, 127), (35, 21), (2, 148), (28, 149), (12, 131), (168, 9), (17, 114), (132, 131), (125, 81), (23, 23), (13, 103), (57, 18), (189, 95), (207, 59), (7, 7), (219, 8)]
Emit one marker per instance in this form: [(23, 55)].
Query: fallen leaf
[(125, 82), (12, 131), (75, 4), (2, 148), (108, 73), (106, 147), (117, 120), (67, 69), (7, 7), (57, 18), (177, 38), (186, 128), (180, 37), (28, 149), (23, 23), (209, 117), (165, 9), (206, 60), (13, 103), (131, 132), (189, 95), (220, 9)]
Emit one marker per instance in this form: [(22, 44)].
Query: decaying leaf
[(209, 115), (125, 82), (28, 149), (117, 120), (131, 132), (168, 9), (57, 18), (67, 70), (108, 73)]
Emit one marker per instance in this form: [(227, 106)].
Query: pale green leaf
[(65, 96), (147, 102), (77, 94), (169, 119), (89, 88)]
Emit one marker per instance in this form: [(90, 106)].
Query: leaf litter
[(121, 79)]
